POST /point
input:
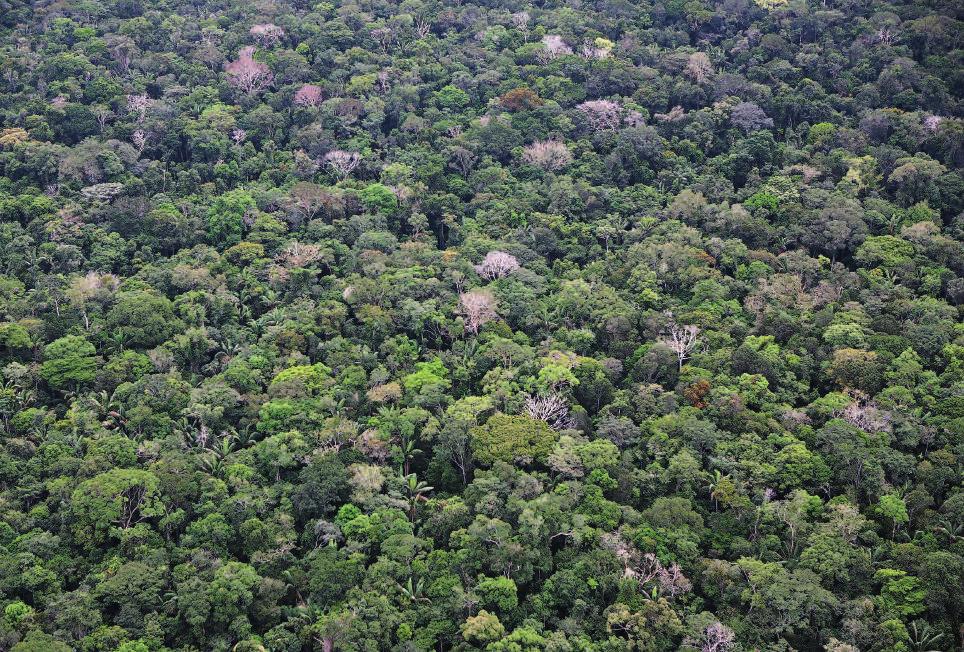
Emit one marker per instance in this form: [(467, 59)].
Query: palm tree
[(713, 487), (922, 637), (414, 591), (415, 491)]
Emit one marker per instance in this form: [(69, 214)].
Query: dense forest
[(584, 326)]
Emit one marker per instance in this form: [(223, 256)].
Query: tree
[(483, 628), (602, 114), (512, 439), (342, 163), (113, 501), (497, 264), (682, 340), (550, 155), (142, 319), (266, 34), (700, 68), (247, 74), (478, 307), (69, 362), (309, 95), (550, 408), (553, 46), (748, 116)]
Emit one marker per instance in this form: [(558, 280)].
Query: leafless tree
[(138, 104), (590, 50), (497, 264), (602, 114), (699, 67), (422, 27), (343, 163), (102, 191), (715, 638), (864, 414), (548, 154), (672, 582), (299, 254), (132, 500), (307, 199), (139, 140), (552, 409), (553, 46), (682, 341), (462, 159), (520, 20), (103, 114), (247, 74), (675, 115), (384, 80), (932, 122), (266, 34), (305, 165), (478, 307), (238, 135), (385, 37)]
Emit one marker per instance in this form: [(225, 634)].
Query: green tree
[(69, 362), (512, 439)]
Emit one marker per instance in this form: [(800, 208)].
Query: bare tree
[(932, 122), (308, 95), (497, 264), (715, 638), (385, 36), (602, 114), (864, 413), (699, 67), (674, 115), (343, 163), (102, 192), (103, 114), (520, 20), (384, 78), (266, 34), (682, 341), (307, 199), (553, 46), (462, 160), (547, 154), (422, 27), (138, 104), (238, 135), (592, 50), (298, 254), (551, 408), (478, 307), (139, 140), (247, 74)]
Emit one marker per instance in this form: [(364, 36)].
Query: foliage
[(467, 326)]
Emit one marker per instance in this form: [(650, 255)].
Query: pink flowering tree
[(549, 155), (308, 95), (497, 264), (248, 75), (602, 114)]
